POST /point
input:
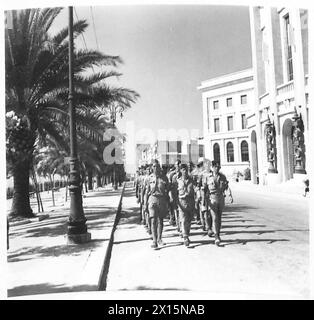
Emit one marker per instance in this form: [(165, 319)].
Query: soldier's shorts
[(186, 212), (157, 207), (186, 205)]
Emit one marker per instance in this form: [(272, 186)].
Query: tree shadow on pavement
[(242, 226), (46, 288), (236, 241), (238, 208), (131, 240), (128, 193), (151, 288), (28, 253), (130, 216), (57, 227), (102, 193)]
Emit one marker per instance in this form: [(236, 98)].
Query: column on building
[(259, 88)]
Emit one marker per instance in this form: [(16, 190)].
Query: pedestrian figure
[(217, 185), (307, 187), (145, 213), (186, 201), (193, 172), (205, 216), (174, 212), (140, 198), (156, 202)]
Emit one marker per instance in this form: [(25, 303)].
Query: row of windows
[(169, 146), (243, 99), (230, 123), (230, 152)]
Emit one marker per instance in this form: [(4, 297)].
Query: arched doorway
[(216, 152), (287, 149), (254, 164)]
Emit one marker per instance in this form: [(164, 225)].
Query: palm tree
[(36, 90)]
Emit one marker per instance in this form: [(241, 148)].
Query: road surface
[(264, 252)]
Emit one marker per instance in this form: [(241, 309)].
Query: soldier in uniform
[(217, 185), (203, 174), (138, 189), (193, 172), (145, 214), (137, 179), (156, 202), (186, 199), (173, 176)]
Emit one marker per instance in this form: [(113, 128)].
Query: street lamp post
[(77, 229)]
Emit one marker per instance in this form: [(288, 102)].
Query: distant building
[(279, 122), (227, 100), (167, 152), (141, 154), (186, 151)]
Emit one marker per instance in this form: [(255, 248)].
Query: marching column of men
[(183, 192)]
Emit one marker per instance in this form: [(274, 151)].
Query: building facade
[(167, 152), (227, 101), (278, 124)]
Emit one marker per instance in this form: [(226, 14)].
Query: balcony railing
[(284, 88)]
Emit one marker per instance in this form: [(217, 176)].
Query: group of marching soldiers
[(182, 192)]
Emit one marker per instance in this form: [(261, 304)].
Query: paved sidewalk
[(40, 261)]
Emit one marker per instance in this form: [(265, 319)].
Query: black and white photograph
[(157, 150)]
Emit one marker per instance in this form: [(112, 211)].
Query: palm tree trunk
[(52, 190), (90, 179), (98, 180), (21, 205)]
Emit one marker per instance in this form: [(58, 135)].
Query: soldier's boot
[(161, 243), (186, 241), (154, 245), (177, 221), (217, 240), (203, 220)]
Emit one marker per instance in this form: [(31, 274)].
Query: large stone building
[(227, 100), (279, 123), (260, 117)]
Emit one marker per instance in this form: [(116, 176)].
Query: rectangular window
[(230, 123), (174, 145), (243, 120), (244, 99), (179, 146), (162, 147), (201, 150), (216, 125), (229, 102), (288, 45), (216, 105)]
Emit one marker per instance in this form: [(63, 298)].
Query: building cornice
[(227, 80)]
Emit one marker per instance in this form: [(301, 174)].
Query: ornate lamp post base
[(299, 169), (78, 238), (271, 169)]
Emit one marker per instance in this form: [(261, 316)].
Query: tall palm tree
[(36, 90)]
